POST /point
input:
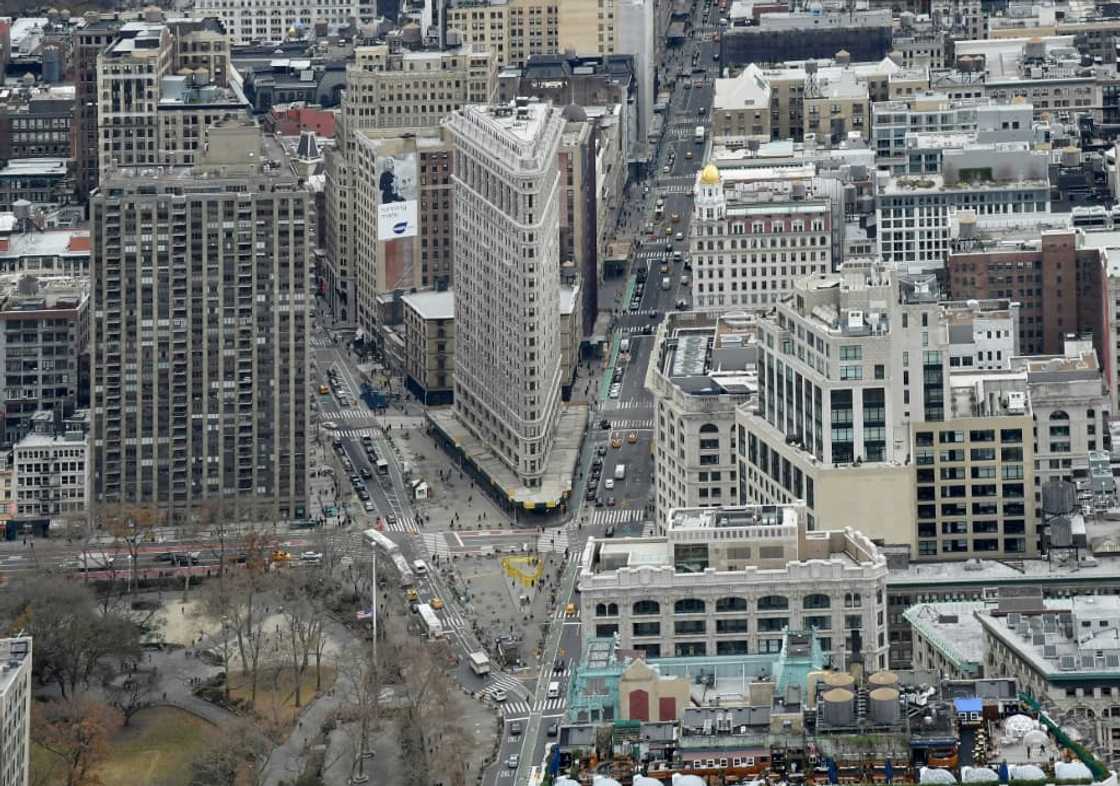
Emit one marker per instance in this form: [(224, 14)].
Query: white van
[(624, 345), (419, 568), (554, 690)]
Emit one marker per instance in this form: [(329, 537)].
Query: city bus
[(430, 620)]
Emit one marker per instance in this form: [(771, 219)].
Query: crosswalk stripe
[(435, 543), (550, 704), (516, 708), (616, 516), (628, 404), (511, 685), (622, 425)]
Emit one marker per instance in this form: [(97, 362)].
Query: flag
[(364, 614)]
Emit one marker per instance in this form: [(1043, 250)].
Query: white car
[(614, 392), (498, 694), (311, 556), (608, 483), (368, 505)]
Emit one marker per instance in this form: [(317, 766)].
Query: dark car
[(604, 424), (610, 531), (559, 665), (553, 729), (590, 495)]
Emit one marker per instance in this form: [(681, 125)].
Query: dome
[(710, 175), (574, 113)]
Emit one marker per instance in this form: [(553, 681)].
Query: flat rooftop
[(711, 358), (432, 305), (14, 652), (43, 167), (1065, 638), (952, 628), (932, 184)]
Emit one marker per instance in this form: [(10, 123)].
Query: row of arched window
[(649, 608)]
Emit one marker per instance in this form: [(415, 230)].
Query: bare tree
[(304, 616), (360, 715), (133, 691), (240, 757), (240, 605), (73, 639), (131, 526), (422, 698)]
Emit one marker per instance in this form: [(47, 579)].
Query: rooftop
[(1076, 638), (952, 629), (13, 654), (48, 243), (185, 91), (779, 546), (45, 167), (933, 184), (706, 357), (431, 304)]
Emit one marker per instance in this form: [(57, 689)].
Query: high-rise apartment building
[(199, 333), (507, 273), (15, 711), (386, 90)]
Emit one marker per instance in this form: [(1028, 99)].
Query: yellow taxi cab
[(412, 595), (632, 437), (668, 231), (616, 441), (324, 390), (436, 604), (570, 610)]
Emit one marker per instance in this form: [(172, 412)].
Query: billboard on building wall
[(396, 203)]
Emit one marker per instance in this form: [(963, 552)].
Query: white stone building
[(51, 475), (753, 233), (15, 711), (507, 274), (276, 20), (729, 581), (702, 367)]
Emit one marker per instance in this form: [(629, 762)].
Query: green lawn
[(155, 750)]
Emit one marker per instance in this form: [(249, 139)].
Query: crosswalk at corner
[(521, 709), (509, 684), (616, 516), (516, 709), (623, 425), (435, 543), (628, 404), (554, 540)]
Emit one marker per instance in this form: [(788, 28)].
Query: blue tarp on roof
[(968, 705)]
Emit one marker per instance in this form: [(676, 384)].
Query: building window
[(817, 601), (689, 606), (773, 603), (646, 608), (731, 604)]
